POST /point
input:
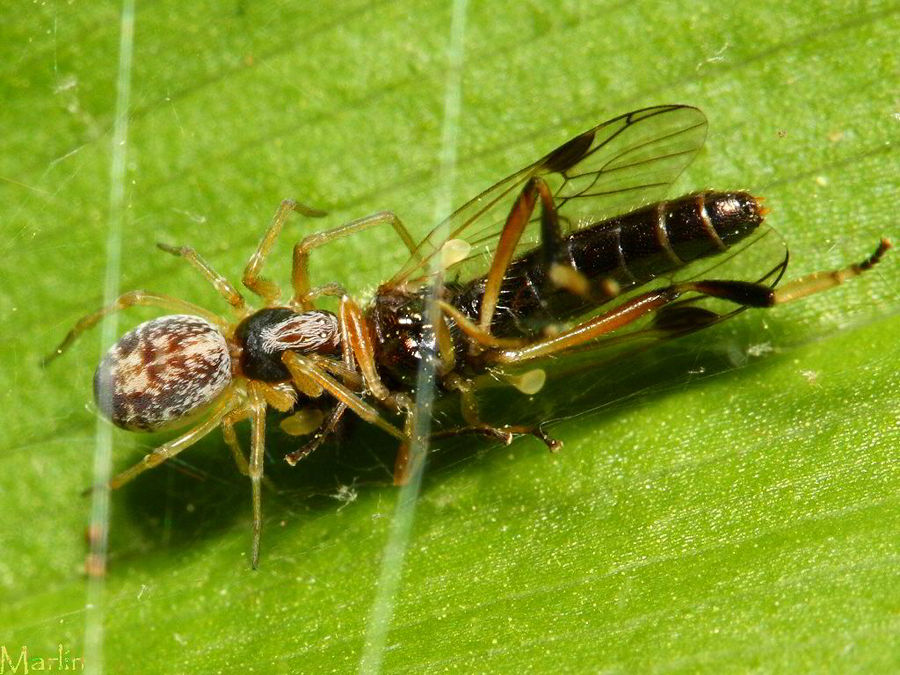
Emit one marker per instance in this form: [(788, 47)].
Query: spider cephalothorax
[(265, 335)]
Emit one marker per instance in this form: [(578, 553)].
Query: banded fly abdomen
[(613, 256)]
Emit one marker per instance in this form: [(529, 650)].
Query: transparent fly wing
[(615, 167), (626, 164), (752, 259), (463, 224)]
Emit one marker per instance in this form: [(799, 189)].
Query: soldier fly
[(569, 254)]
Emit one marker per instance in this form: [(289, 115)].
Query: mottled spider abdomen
[(163, 371)]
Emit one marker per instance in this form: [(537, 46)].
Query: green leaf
[(728, 502)]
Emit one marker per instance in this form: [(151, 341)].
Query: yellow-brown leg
[(592, 329), (474, 331), (133, 299), (516, 222), (744, 293), (177, 445), (257, 405), (357, 340), (231, 439), (221, 284), (822, 281), (300, 274), (281, 396), (264, 288), (404, 462), (303, 370), (346, 370), (234, 445)]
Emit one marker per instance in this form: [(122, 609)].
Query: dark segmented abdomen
[(615, 254)]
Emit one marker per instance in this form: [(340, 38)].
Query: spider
[(195, 365)]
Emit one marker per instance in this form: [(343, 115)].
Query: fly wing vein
[(630, 161)]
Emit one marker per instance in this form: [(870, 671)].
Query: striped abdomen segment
[(615, 255)]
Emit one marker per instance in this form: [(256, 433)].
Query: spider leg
[(359, 353), (133, 299), (305, 372), (177, 445), (234, 445), (220, 283), (350, 376), (231, 439), (300, 274), (257, 405), (265, 288), (282, 398), (356, 337), (356, 334)]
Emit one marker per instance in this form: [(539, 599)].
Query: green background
[(726, 503)]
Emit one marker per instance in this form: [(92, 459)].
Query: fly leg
[(406, 463), (300, 274), (516, 222), (324, 431), (743, 293), (592, 329), (474, 424), (503, 434), (822, 281)]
